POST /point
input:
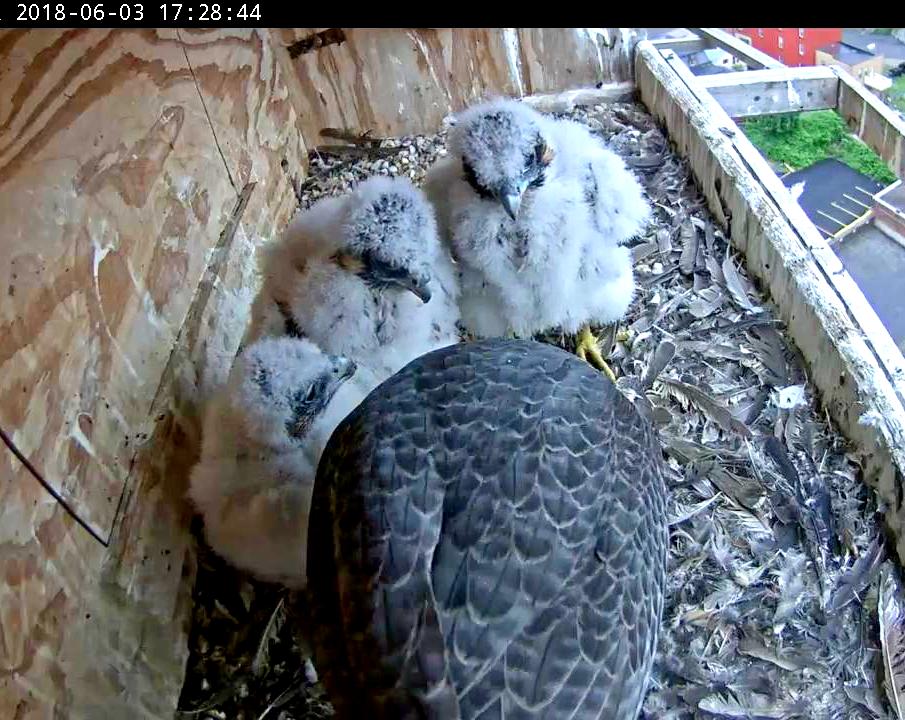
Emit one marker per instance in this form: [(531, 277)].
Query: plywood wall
[(406, 80), (138, 172)]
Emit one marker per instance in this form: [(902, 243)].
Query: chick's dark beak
[(344, 368), (381, 274), (511, 200), (419, 288)]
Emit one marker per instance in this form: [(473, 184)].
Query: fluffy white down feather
[(253, 482), (562, 262), (382, 329)]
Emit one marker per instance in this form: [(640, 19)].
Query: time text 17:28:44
[(172, 12)]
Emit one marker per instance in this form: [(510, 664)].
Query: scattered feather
[(792, 587), (813, 509), (688, 258), (757, 649), (751, 706), (707, 302), (664, 241), (787, 398), (706, 403), (770, 352), (661, 357), (868, 698), (643, 251), (892, 641), (262, 656), (734, 283), (864, 571), (745, 492), (715, 269), (684, 512)]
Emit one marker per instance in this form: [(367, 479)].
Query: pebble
[(329, 175)]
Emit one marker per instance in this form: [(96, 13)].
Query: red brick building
[(791, 46)]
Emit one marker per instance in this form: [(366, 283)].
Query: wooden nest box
[(139, 172)]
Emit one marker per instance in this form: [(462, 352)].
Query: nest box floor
[(776, 550)]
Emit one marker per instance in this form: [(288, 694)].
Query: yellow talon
[(588, 350)]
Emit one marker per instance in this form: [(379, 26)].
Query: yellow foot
[(588, 350)]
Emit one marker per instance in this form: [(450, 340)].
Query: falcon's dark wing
[(488, 540)]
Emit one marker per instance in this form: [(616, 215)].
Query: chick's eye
[(537, 157), (312, 393), (471, 178), (540, 150)]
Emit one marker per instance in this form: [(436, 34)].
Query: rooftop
[(876, 263), (708, 68), (885, 45), (712, 56), (848, 54), (895, 196), (876, 81), (832, 194)]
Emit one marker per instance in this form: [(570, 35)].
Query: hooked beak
[(344, 368), (418, 287), (381, 274), (511, 201)]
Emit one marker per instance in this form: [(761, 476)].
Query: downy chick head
[(390, 236), (279, 388), (503, 150)]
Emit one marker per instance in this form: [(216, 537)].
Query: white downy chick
[(535, 211), (363, 275), (263, 434)]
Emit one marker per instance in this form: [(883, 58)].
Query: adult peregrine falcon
[(488, 539)]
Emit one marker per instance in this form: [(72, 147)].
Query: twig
[(352, 137), (355, 151)]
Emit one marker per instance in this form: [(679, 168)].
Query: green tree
[(801, 139)]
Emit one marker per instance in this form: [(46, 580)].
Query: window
[(760, 32), (801, 49), (779, 42), (801, 32)]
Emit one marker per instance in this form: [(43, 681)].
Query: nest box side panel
[(394, 81), (136, 190)]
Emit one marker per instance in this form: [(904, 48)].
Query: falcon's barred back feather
[(363, 275), (491, 539)]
